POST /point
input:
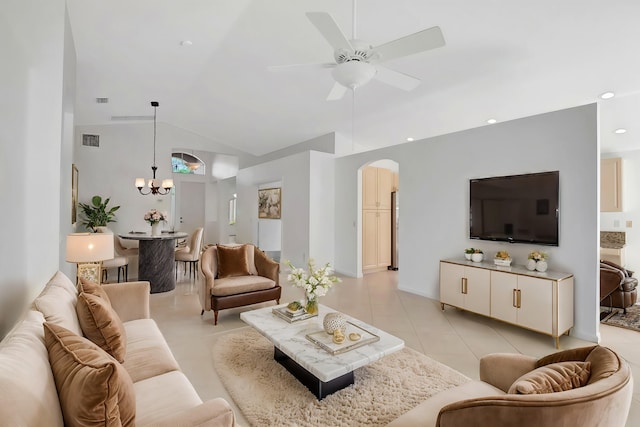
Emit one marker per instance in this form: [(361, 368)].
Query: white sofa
[(163, 394)]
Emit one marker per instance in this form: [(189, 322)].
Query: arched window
[(187, 163)]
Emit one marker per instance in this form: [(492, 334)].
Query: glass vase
[(311, 304)]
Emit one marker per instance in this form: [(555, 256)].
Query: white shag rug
[(268, 395)]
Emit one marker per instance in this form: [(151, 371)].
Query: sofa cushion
[(148, 354), (551, 378), (89, 287), (162, 396), (101, 324), (27, 387), (238, 285), (94, 389), (58, 305), (232, 261)]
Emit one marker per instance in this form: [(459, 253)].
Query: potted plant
[(502, 258), (477, 255), (468, 252), (97, 214), (537, 260)]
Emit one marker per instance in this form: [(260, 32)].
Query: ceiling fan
[(357, 62)]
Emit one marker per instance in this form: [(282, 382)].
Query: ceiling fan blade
[(329, 30), (396, 78), (319, 65), (428, 39), (337, 92)]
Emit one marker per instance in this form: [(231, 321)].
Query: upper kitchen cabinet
[(611, 185)]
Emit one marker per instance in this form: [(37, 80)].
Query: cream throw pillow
[(552, 378), (94, 389), (102, 325)]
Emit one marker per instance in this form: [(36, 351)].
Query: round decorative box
[(333, 322)]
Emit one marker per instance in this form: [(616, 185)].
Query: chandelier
[(154, 185)]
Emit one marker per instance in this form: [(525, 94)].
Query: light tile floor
[(453, 337)]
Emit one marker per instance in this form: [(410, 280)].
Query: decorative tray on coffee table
[(325, 340)]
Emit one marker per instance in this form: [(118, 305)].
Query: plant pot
[(467, 257), (541, 266), (531, 264), (477, 257)]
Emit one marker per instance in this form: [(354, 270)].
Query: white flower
[(315, 282)]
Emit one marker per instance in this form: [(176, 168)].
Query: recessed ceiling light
[(620, 130), (409, 139), (492, 121), (186, 43), (607, 95)]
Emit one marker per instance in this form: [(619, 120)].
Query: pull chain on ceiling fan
[(357, 62)]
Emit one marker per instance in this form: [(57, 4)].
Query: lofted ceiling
[(503, 59)]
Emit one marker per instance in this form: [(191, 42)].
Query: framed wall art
[(269, 203), (74, 194)]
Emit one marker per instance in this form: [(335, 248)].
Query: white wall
[(435, 197), (307, 205), (616, 221), (36, 49)]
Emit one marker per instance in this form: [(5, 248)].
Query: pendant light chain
[(155, 112)]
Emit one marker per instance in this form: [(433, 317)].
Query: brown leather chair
[(617, 288)]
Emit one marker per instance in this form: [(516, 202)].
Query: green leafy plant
[(469, 251), (97, 214)]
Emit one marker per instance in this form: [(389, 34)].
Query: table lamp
[(88, 250)]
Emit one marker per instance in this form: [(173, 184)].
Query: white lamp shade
[(89, 247), (167, 183), (139, 182)]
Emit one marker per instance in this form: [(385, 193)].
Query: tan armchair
[(235, 276), (190, 253), (497, 399)]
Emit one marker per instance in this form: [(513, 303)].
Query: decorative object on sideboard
[(468, 252), (333, 322), (155, 185), (477, 255), (537, 260), (316, 282), (502, 259)]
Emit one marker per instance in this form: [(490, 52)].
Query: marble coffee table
[(320, 371)]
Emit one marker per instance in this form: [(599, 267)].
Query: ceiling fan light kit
[(357, 62)]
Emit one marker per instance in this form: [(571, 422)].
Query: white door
[(191, 201)]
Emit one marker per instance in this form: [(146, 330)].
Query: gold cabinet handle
[(463, 285), (514, 301), (519, 299)]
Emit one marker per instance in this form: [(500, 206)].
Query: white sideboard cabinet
[(542, 302)]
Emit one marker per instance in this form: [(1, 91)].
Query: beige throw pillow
[(93, 388), (232, 261), (552, 378), (102, 325)]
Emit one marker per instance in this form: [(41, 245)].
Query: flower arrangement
[(316, 282), (154, 216), (478, 251), (538, 256), (502, 255)]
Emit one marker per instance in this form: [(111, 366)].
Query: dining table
[(156, 258)]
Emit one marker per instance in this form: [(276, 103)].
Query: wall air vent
[(90, 140), (102, 100)]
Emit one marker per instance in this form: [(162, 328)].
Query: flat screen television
[(516, 208)]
